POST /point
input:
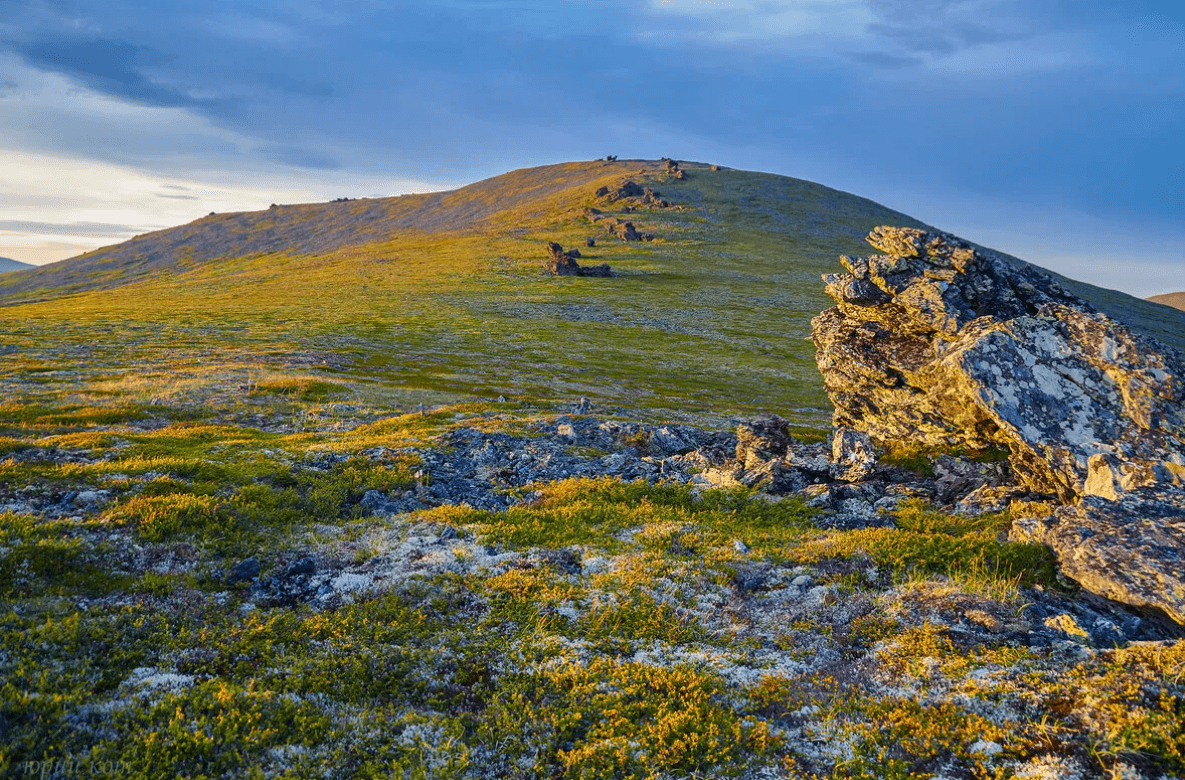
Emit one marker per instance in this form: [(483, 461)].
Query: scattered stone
[(244, 571), (627, 189), (590, 242), (306, 565), (853, 457), (624, 231), (561, 263), (583, 406)]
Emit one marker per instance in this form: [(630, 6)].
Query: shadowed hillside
[(7, 265)]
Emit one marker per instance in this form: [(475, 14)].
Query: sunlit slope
[(1176, 300), (430, 298), (314, 228)]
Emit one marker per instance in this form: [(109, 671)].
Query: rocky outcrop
[(627, 232), (627, 189), (939, 343), (1130, 550), (561, 263)]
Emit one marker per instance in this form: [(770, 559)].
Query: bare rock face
[(939, 343), (942, 344), (1131, 550), (760, 440), (853, 456)]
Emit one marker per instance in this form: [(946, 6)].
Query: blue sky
[(1052, 130)]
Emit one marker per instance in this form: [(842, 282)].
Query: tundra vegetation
[(194, 584)]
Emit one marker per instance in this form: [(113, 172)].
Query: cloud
[(89, 229)]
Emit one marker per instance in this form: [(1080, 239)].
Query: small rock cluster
[(561, 263)]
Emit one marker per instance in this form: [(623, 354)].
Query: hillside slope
[(1176, 300), (431, 298), (7, 265)]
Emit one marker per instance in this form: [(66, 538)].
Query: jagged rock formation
[(627, 232), (1131, 550), (939, 343), (561, 263)]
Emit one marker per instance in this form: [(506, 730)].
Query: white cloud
[(88, 170)]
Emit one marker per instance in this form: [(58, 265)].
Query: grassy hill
[(196, 425), (428, 298), (7, 265), (1176, 300), (424, 298)]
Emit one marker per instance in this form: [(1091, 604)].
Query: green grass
[(605, 629)]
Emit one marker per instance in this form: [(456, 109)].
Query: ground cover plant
[(196, 579)]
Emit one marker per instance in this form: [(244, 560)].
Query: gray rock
[(853, 455), (762, 440), (1131, 550), (244, 571), (974, 349)]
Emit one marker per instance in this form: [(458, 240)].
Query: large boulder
[(1131, 549), (943, 344)]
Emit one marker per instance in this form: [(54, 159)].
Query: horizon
[(1049, 134)]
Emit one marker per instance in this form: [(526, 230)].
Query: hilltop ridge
[(433, 297), (8, 264), (1176, 300)]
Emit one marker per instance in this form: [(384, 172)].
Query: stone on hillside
[(940, 344), (625, 231), (1130, 550), (244, 571), (627, 189), (761, 440), (601, 270), (561, 263), (853, 456)]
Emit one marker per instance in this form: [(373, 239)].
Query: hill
[(1176, 300), (313, 491), (426, 298), (7, 265)]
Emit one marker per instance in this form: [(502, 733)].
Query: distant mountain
[(1176, 300), (7, 265)]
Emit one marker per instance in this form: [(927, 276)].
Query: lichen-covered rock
[(1131, 550), (761, 440), (853, 456), (940, 344)]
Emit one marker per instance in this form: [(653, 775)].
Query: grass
[(604, 629), (463, 310)]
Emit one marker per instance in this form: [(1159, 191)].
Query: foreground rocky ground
[(495, 591)]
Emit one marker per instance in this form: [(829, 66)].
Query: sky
[(1048, 129)]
